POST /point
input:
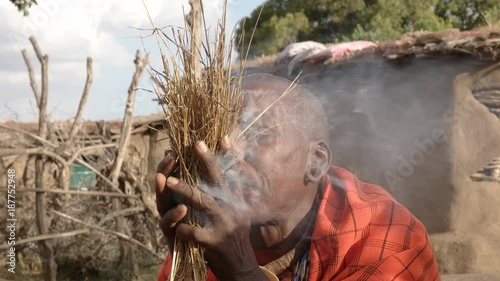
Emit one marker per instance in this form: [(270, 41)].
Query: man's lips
[(249, 193)]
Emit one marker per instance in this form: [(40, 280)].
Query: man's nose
[(241, 145)]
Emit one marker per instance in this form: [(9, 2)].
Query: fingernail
[(225, 141), (172, 181), (202, 146), (178, 209), (168, 155)]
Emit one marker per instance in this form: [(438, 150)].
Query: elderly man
[(277, 210)]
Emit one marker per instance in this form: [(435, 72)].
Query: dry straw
[(196, 108)]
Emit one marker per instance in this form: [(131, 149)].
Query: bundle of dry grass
[(197, 108)]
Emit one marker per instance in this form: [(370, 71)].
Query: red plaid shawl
[(362, 233)]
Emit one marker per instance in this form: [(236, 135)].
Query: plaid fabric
[(362, 233)]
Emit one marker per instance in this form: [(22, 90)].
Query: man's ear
[(318, 161)]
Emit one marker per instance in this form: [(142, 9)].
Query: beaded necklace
[(302, 268)]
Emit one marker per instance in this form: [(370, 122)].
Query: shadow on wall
[(391, 125)]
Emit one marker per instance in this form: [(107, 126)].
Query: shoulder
[(356, 193), (372, 207), (362, 229)]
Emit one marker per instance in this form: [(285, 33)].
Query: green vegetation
[(287, 21), (23, 5)]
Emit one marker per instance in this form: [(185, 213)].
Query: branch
[(89, 148), (47, 237), (127, 256), (36, 151), (122, 212), (140, 65), (150, 205), (31, 73), (37, 49), (74, 192), (110, 232), (74, 232), (33, 136), (77, 123), (113, 186), (42, 126)]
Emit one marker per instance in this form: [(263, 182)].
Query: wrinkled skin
[(262, 185)]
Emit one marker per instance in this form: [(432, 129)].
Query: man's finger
[(165, 168), (171, 218), (199, 199), (163, 202), (169, 221), (224, 144), (209, 161), (193, 233)]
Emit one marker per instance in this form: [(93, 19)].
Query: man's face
[(272, 154)]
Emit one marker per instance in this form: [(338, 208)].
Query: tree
[(23, 5), (492, 17), (389, 19), (278, 32), (334, 20), (346, 20), (465, 14), (257, 20)]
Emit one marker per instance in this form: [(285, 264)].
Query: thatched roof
[(314, 59), (483, 43)]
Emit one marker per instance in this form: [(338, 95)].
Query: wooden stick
[(140, 65), (35, 151), (122, 212), (47, 237), (77, 123), (44, 62), (41, 200), (150, 205), (74, 192), (127, 256), (110, 232), (33, 136), (37, 49), (89, 148), (111, 184), (31, 72), (74, 232)]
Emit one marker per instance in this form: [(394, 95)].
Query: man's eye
[(264, 138)]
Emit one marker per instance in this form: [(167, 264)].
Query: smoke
[(377, 109), (244, 188), (390, 124)]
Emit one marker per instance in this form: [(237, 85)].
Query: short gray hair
[(304, 108)]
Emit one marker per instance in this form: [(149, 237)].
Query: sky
[(108, 31)]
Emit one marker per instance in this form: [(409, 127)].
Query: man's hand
[(164, 201), (225, 229)]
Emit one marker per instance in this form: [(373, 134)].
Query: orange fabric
[(362, 233)]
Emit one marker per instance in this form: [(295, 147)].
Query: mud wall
[(391, 125), (475, 142)]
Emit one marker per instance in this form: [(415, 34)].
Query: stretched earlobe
[(318, 162)]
